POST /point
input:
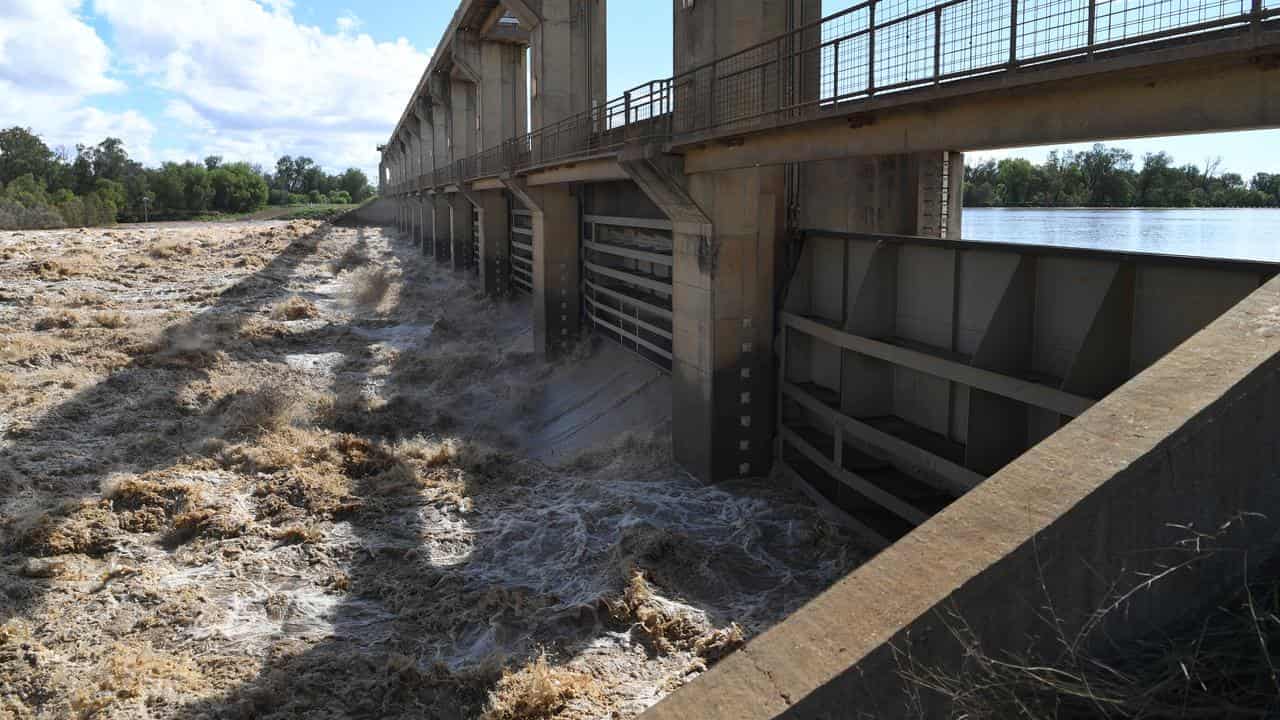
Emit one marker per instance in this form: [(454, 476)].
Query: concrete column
[(495, 228), (429, 215), (442, 118), (727, 229), (462, 133), (709, 30), (415, 211), (440, 234), (556, 266), (382, 176), (569, 42), (503, 95), (425, 211), (426, 135), (459, 230)]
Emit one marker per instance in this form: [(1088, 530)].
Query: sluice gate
[(914, 368)]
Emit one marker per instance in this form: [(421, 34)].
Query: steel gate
[(626, 283), (520, 251)]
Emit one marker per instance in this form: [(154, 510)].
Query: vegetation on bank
[(42, 188), (1105, 177), (1218, 662)]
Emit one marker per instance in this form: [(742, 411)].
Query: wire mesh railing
[(872, 48)]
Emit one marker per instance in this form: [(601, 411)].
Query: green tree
[(109, 160), (237, 188), (22, 152), (1016, 175), (26, 191), (356, 184)]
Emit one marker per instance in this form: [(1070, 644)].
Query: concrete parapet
[(380, 211), (1184, 447)]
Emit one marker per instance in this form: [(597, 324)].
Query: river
[(1236, 233)]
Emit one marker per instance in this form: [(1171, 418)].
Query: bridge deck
[(853, 63)]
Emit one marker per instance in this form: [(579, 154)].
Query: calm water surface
[(1241, 234)]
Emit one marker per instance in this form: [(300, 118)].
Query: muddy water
[(393, 545)]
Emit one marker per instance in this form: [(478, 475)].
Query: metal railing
[(873, 48)]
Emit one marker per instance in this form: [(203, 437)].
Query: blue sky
[(255, 79)]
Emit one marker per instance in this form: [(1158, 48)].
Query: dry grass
[(295, 308), (537, 691), (1223, 662)]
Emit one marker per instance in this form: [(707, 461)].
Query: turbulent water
[(278, 471)]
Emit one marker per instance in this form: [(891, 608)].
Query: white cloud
[(51, 63), (188, 116), (349, 22), (261, 83), (47, 49)]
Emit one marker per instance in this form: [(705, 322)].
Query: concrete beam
[(1057, 105), (600, 170), (528, 11)]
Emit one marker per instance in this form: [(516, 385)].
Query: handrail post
[(1093, 26), (1013, 34), (711, 115), (937, 45), (1256, 24), (871, 47), (835, 70), (626, 113)]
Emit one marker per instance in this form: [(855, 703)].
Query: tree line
[(1105, 177), (100, 184)]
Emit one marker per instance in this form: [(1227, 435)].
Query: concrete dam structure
[(779, 228)]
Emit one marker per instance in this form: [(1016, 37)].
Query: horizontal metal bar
[(522, 246), (631, 336), (522, 213), (663, 332), (1024, 391), (527, 286), (522, 260), (628, 222), (522, 231), (838, 515), (623, 297), (642, 255), (855, 482), (1263, 268), (629, 278), (921, 464)]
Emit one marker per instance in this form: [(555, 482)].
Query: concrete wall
[(1190, 442), (381, 211)]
